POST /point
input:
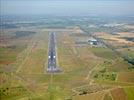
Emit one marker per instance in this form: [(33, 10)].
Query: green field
[(129, 92)]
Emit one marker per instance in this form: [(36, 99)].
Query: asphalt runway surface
[(52, 66)]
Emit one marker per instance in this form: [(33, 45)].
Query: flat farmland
[(118, 40), (126, 77), (25, 76), (118, 94), (92, 96), (129, 91)]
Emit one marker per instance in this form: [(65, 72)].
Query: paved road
[(52, 67)]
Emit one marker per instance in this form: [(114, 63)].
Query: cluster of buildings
[(90, 41)]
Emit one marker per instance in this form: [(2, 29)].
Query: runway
[(52, 64)]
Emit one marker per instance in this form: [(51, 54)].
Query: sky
[(67, 7)]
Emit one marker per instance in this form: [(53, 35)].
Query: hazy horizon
[(67, 8)]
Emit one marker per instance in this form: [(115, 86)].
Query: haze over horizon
[(67, 7)]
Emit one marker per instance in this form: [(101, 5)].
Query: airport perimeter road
[(52, 67)]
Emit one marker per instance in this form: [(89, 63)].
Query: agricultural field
[(129, 91), (118, 94)]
